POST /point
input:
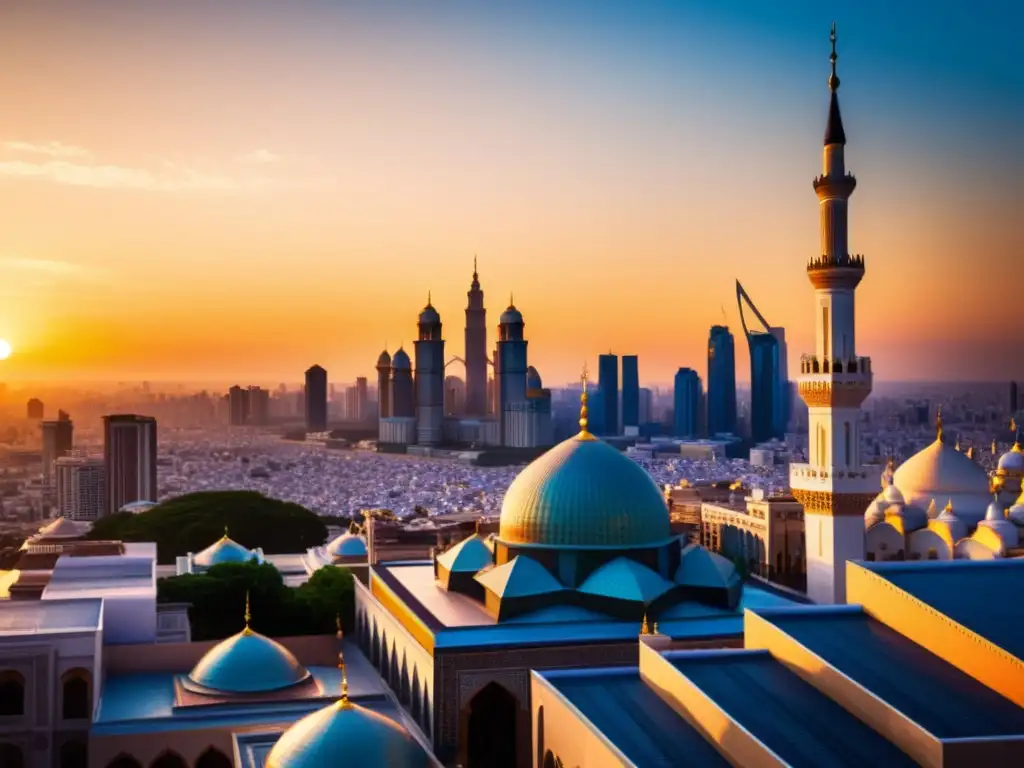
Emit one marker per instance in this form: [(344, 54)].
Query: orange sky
[(225, 198)]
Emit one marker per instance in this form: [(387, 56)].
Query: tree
[(193, 522)]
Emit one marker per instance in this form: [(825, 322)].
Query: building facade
[(58, 439), (429, 346), (608, 385), (81, 488), (316, 399), (129, 454), (721, 400), (686, 403), (630, 393)]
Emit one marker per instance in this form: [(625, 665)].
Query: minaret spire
[(834, 133)]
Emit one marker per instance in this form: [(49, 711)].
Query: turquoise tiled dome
[(346, 734), (248, 663), (584, 493), (224, 550)]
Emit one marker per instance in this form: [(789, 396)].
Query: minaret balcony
[(811, 365), (834, 186), (836, 272), (833, 491), (834, 384)]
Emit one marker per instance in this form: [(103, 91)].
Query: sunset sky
[(236, 190)]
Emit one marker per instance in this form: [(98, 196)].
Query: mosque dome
[(347, 545), (511, 316), (401, 360), (533, 378), (942, 472), (429, 315), (584, 493), (384, 361), (224, 550), (345, 733), (1012, 462), (248, 663), (957, 528)]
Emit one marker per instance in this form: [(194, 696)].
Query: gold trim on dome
[(833, 504), (834, 394)]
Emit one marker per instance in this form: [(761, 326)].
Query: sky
[(237, 190)]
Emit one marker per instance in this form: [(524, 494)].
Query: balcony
[(810, 365)]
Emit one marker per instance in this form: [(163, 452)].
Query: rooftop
[(32, 617), (940, 698), (962, 590), (629, 714), (789, 716)]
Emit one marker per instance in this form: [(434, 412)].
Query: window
[(75, 688), (12, 694)]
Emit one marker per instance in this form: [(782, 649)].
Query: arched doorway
[(124, 761), (490, 722), (74, 754), (214, 758), (12, 694), (169, 760), (75, 694), (10, 755)]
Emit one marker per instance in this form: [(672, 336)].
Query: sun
[(5, 350)]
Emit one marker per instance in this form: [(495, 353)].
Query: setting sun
[(5, 350)]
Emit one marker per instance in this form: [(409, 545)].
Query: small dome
[(995, 511), (401, 360), (248, 663), (344, 733), (429, 315), (511, 316), (384, 360), (1012, 462), (347, 545), (956, 527), (224, 550), (875, 512), (533, 378), (584, 493)]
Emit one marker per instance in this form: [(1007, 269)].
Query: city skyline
[(563, 148)]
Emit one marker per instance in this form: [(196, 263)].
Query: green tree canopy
[(217, 598), (193, 522)]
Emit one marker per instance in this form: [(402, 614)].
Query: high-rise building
[(429, 377), (35, 409), (721, 397), (259, 406), (646, 404), (403, 388), (58, 439), (238, 406), (608, 385), (832, 486), (769, 382), (81, 488), (362, 398), (476, 349), (129, 452), (686, 403), (316, 399), (510, 365), (384, 385), (630, 392), (784, 405)]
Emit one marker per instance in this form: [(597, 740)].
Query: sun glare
[(5, 350)]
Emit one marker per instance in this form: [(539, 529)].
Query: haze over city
[(201, 192)]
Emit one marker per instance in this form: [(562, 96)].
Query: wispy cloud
[(50, 149), (47, 266), (259, 157)]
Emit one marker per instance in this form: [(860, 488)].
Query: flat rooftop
[(940, 698), (964, 591), (621, 706), (34, 617), (788, 715), (458, 620)]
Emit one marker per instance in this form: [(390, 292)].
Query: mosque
[(517, 414)]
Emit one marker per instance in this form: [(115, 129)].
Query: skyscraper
[(238, 406), (35, 409), (384, 385), (129, 452), (81, 487), (832, 486), (259, 406), (769, 383), (58, 439), (316, 399), (630, 391), (362, 398), (608, 385), (429, 377), (686, 403), (476, 349), (721, 405)]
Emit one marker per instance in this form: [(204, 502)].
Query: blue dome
[(429, 315), (401, 359), (384, 360), (224, 550), (248, 663), (347, 545), (346, 734), (533, 379), (584, 493), (510, 316)]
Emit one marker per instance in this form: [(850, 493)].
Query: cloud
[(259, 157), (50, 149), (48, 266)]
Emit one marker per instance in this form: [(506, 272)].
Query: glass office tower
[(630, 391), (608, 385), (721, 381), (686, 402)]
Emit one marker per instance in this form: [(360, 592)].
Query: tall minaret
[(476, 349), (429, 377), (384, 385), (510, 364), (833, 486)]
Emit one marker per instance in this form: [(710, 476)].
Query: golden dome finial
[(225, 530), (949, 507), (833, 79), (644, 629), (248, 613), (994, 448), (957, 446), (584, 421), (511, 303), (345, 703), (939, 434), (428, 298)]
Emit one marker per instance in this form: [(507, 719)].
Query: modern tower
[(686, 401), (429, 377), (630, 392), (608, 385), (129, 451), (721, 404), (510, 364), (832, 486), (81, 487), (476, 349), (316, 399), (768, 383), (58, 439), (384, 385)]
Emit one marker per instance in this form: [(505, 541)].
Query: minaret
[(510, 364), (476, 349), (384, 385), (429, 377), (833, 487)]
